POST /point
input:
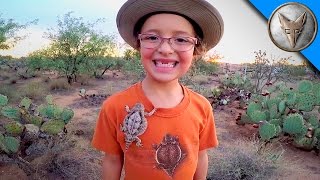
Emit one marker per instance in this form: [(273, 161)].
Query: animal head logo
[(292, 28)]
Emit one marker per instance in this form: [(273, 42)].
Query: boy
[(158, 128)]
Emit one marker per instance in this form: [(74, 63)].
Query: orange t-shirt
[(171, 141)]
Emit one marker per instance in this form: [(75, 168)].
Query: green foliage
[(8, 32), (130, 54), (294, 124), (134, 66), (305, 86), (202, 66), (252, 107), (313, 120), (236, 80), (258, 116), (14, 128), (267, 131), (25, 103), (9, 144), (11, 112), (305, 102), (3, 100), (66, 115), (53, 127), (36, 120), (76, 48), (216, 92), (34, 90), (304, 142), (49, 117), (268, 70), (282, 113)]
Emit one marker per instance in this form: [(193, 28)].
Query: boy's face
[(163, 63)]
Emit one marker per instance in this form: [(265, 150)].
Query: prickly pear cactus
[(306, 102), (53, 127), (276, 122), (294, 125), (11, 112), (304, 142), (67, 114), (314, 121), (258, 116), (305, 86), (9, 144), (282, 106), (252, 107), (25, 103), (49, 118), (267, 131), (3, 100), (14, 128)]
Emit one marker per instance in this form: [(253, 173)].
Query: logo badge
[(292, 27)]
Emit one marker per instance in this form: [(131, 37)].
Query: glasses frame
[(195, 40)]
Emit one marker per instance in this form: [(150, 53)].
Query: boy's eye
[(181, 40), (150, 38)]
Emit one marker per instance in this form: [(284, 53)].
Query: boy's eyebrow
[(175, 32)]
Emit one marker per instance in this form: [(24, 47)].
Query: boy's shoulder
[(195, 97)]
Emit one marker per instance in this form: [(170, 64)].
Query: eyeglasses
[(178, 43)]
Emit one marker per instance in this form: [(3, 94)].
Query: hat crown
[(201, 12)]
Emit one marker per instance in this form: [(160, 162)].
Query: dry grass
[(11, 92), (84, 80), (34, 90), (59, 84), (246, 159)]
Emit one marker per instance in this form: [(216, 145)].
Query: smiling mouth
[(165, 64)]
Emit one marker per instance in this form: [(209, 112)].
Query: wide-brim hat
[(201, 12)]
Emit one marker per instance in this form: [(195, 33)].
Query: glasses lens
[(182, 43), (177, 43), (149, 40)]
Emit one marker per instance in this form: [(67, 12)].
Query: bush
[(11, 92), (34, 90), (245, 159), (59, 84)]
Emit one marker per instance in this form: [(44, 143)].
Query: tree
[(76, 46), (8, 32), (268, 70)]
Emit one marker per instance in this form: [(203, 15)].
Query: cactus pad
[(294, 124), (10, 112), (53, 127), (267, 131), (306, 102), (305, 86), (14, 128), (25, 103), (3, 100)]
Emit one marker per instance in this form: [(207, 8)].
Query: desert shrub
[(296, 71), (205, 67), (59, 84), (4, 75), (245, 159), (34, 90), (134, 67), (10, 91)]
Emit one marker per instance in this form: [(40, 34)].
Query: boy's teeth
[(169, 64)]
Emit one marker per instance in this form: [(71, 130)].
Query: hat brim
[(200, 11)]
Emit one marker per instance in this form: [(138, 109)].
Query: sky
[(245, 28)]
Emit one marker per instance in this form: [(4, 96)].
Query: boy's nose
[(165, 47)]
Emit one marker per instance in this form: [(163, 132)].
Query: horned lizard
[(135, 124)]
